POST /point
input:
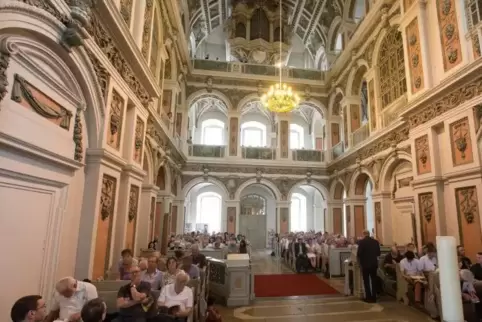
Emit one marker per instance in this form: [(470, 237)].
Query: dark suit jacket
[(368, 252), (300, 248)]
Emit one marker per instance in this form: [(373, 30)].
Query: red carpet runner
[(290, 285)]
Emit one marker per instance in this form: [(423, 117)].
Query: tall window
[(359, 10), (212, 132), (392, 68), (339, 43), (298, 212), (253, 134), (473, 9), (297, 140), (209, 208)]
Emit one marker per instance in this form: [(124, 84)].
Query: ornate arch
[(391, 162), (75, 68), (148, 165), (335, 27), (334, 100), (363, 171), (247, 99), (353, 78), (317, 105), (194, 182), (313, 183), (268, 183), (203, 93), (337, 186)]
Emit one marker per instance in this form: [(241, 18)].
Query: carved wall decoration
[(335, 134), (78, 136), (107, 196), (449, 33), (446, 103), (415, 55), (355, 118), (284, 138), (422, 152), (100, 72), (231, 220), (349, 231), (477, 109), (126, 11), (109, 48), (468, 215), (407, 4), (284, 185), (155, 42), (373, 104), (146, 34), (116, 118), (427, 217), (178, 124), (337, 221), (4, 62), (138, 140), (476, 46), (30, 97), (405, 182), (233, 136), (167, 101), (461, 142), (284, 219), (133, 202)]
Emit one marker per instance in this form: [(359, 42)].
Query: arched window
[(209, 209), (359, 10), (369, 209), (297, 140), (298, 212), (212, 132), (339, 43), (253, 134), (392, 68)]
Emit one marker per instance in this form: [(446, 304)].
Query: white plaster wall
[(307, 137), (401, 207), (256, 117), (197, 131), (191, 203), (270, 203)]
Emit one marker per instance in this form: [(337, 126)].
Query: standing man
[(368, 253)]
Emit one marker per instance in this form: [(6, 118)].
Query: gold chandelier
[(280, 97)]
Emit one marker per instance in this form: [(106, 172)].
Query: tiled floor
[(316, 308)]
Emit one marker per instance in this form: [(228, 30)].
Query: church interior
[(149, 125)]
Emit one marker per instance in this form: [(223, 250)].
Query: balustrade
[(308, 155), (360, 134), (258, 153), (337, 150), (258, 69), (207, 151)]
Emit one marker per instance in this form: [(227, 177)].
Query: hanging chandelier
[(280, 98)]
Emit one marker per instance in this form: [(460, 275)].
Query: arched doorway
[(340, 217), (363, 215)]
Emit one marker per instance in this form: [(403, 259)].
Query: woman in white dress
[(310, 249)]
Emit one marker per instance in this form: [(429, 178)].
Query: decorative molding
[(426, 206), (133, 202), (461, 142), (78, 136), (415, 56), (467, 204), (4, 62), (107, 196), (449, 34), (422, 153), (116, 117)]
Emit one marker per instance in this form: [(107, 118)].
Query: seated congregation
[(150, 288)]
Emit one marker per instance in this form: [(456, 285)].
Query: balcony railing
[(258, 153), (337, 150), (308, 155), (206, 151), (257, 69), (360, 134)]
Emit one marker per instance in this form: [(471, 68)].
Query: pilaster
[(164, 205), (233, 138), (373, 112), (147, 217), (283, 224), (283, 150), (356, 207), (138, 15), (335, 209), (233, 212), (347, 103), (178, 223), (383, 217)]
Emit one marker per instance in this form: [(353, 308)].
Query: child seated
[(212, 314), (468, 289)]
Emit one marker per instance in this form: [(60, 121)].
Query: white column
[(424, 42), (138, 15), (449, 279)]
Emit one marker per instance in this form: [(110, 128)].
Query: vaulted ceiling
[(309, 19)]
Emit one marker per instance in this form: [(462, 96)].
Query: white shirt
[(427, 264), (72, 305), (170, 298), (410, 268)]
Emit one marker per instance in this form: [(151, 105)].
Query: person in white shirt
[(178, 294), (69, 298), (428, 262), (410, 267)]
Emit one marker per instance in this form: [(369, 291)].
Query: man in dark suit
[(301, 259), (367, 254)]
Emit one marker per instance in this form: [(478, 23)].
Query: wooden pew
[(389, 284), (402, 286)]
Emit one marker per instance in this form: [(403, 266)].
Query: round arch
[(317, 105), (194, 182), (76, 66), (161, 179), (356, 176), (378, 43), (147, 166), (393, 160), (204, 92), (268, 183), (335, 28), (334, 188), (313, 183), (331, 103), (361, 66), (247, 99)]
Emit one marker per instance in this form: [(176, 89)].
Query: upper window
[(339, 43), (212, 132), (298, 212), (296, 137), (474, 12), (359, 10), (209, 209), (392, 68), (253, 134)]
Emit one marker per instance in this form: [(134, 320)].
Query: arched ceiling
[(206, 104), (308, 19)]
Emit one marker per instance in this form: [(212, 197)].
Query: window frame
[(302, 207), (212, 123), (199, 208), (254, 126)]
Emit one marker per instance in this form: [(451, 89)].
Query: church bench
[(402, 286), (389, 284)]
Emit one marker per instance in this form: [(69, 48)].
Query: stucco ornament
[(205, 173), (4, 62)]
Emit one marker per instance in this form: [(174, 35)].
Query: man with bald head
[(179, 296), (368, 253)]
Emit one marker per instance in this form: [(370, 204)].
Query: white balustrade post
[(449, 279)]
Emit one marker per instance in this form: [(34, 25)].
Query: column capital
[(283, 117), (355, 200), (150, 188), (335, 203), (381, 195), (283, 204)]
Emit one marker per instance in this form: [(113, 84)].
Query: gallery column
[(233, 137), (178, 214), (283, 146), (383, 221), (283, 217), (334, 219), (232, 216), (147, 215), (165, 222)]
